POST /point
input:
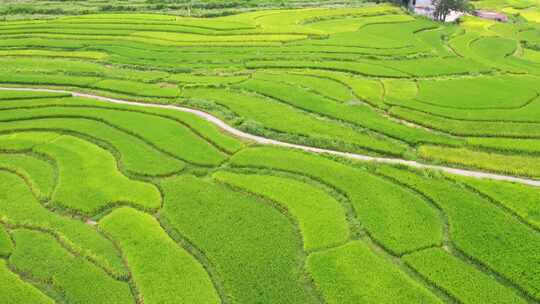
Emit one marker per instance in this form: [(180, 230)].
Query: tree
[(443, 7)]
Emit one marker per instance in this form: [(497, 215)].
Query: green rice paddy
[(113, 203)]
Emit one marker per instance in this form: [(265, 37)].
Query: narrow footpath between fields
[(267, 141)]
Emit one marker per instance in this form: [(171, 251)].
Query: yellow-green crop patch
[(15, 290), (162, 271), (37, 172), (20, 208), (320, 217), (390, 214), (63, 54), (275, 225), (512, 164), (41, 257), (357, 274), (138, 160), (461, 280), (6, 244)]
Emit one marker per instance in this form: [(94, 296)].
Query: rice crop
[(379, 205), (37, 172), (106, 202), (485, 239), (462, 281), (16, 290), (311, 207), (252, 246), (6, 244), (352, 273), (101, 184), (19, 207), (511, 164), (171, 275), (44, 259)]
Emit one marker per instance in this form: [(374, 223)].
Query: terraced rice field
[(47, 9), (105, 202)]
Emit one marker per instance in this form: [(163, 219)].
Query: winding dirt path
[(266, 141)]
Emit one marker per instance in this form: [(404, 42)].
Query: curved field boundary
[(266, 141)]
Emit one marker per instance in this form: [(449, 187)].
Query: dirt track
[(266, 141)]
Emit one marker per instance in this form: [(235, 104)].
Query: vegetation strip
[(267, 141)]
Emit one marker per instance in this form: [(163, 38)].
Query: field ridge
[(266, 141)]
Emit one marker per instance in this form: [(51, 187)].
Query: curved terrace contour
[(266, 141)]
